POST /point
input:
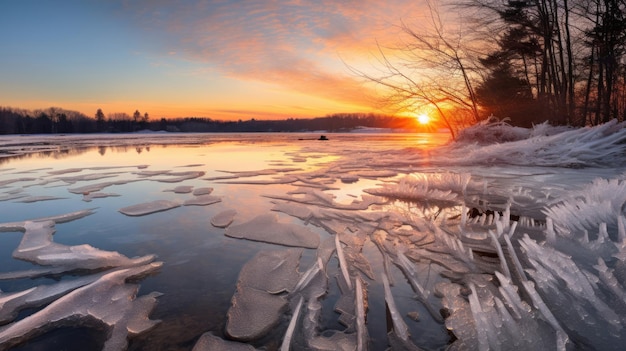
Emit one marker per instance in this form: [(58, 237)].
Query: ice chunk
[(460, 320), (109, 300), (98, 186), (145, 174), (210, 342), (12, 303), (149, 207), (255, 308), (177, 177), (338, 341), (267, 228), (247, 174), (11, 196), (224, 218), (98, 195), (63, 218), (319, 198), (88, 177), (377, 173), (37, 247), (253, 313), (275, 180), (272, 271), (16, 180), (182, 189), (202, 191), (31, 199), (202, 200), (65, 171), (192, 165), (293, 209)]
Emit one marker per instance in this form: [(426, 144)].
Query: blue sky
[(219, 59)]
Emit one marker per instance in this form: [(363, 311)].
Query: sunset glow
[(226, 60), (423, 118)]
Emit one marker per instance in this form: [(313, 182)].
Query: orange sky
[(217, 59)]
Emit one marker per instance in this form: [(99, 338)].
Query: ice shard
[(12, 303), (292, 326), (110, 301), (399, 326), (37, 247)]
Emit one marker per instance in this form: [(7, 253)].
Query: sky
[(220, 59)]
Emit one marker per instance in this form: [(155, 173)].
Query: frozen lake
[(368, 240)]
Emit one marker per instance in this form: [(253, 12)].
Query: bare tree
[(433, 68)]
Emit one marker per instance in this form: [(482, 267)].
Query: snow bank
[(600, 146)]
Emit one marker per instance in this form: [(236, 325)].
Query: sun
[(423, 118)]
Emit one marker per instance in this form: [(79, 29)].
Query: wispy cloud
[(297, 45)]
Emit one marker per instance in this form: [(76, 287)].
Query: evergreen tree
[(100, 120)]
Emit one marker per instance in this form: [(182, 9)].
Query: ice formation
[(508, 238), (98, 195), (224, 218), (202, 200), (102, 299), (257, 305), (31, 199), (202, 191), (182, 189), (267, 228), (149, 207), (37, 247), (210, 342)]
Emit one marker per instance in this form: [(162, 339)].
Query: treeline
[(342, 122), (58, 120)]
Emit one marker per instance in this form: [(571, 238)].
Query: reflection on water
[(251, 174)]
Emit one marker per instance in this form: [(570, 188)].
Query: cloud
[(296, 45)]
